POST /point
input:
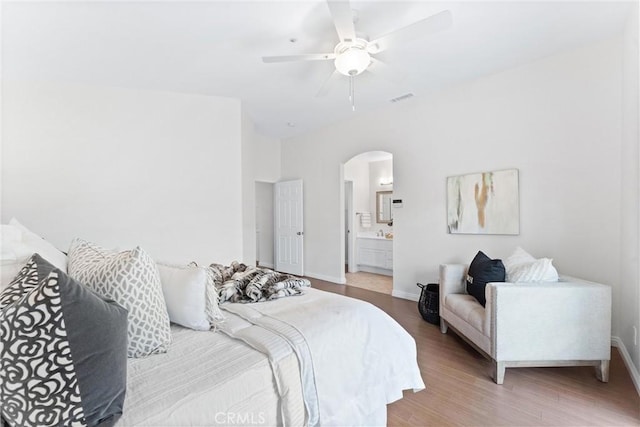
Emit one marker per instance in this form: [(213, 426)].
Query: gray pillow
[(63, 351)]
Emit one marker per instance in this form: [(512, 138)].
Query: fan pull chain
[(352, 93)]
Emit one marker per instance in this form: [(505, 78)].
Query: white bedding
[(208, 378), (361, 358), (343, 359)]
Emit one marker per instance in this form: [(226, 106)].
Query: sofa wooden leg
[(498, 372), (602, 371), (443, 326)]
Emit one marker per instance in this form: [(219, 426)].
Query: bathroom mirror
[(383, 206)]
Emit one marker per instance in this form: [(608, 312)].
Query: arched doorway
[(368, 233)]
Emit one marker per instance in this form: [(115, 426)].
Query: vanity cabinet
[(376, 253)]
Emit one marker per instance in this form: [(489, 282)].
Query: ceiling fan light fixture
[(352, 61)]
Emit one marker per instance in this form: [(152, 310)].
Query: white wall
[(124, 167), (557, 120), (264, 224), (629, 301), (260, 162)]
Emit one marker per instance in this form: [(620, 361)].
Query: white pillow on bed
[(185, 292), (36, 244), (18, 246)]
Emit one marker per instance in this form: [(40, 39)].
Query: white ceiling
[(215, 48)]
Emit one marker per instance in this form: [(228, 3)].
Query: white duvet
[(208, 379), (316, 359), (361, 359)]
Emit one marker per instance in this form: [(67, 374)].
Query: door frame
[(350, 235), (263, 228), (354, 255)]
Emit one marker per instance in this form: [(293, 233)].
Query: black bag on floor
[(429, 304)]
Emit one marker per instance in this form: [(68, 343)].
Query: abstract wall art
[(483, 203)]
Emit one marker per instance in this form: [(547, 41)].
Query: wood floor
[(460, 392)]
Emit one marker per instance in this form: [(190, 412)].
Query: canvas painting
[(483, 203)]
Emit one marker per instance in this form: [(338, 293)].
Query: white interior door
[(289, 238)]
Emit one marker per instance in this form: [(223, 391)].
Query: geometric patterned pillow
[(131, 279), (62, 351)]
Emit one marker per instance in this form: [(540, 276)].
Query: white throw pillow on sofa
[(185, 292), (523, 267), (518, 257)]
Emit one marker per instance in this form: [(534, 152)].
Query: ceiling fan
[(354, 53)]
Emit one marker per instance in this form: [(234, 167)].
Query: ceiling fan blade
[(326, 86), (303, 57), (431, 25), (342, 19)]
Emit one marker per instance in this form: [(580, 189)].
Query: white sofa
[(565, 323)]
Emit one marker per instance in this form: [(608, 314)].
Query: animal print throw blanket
[(240, 283)]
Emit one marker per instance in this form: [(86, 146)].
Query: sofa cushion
[(467, 308), (482, 271)]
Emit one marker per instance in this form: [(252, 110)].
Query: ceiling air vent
[(402, 97)]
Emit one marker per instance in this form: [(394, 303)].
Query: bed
[(93, 338), (205, 379), (314, 359)]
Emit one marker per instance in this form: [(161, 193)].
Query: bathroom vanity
[(375, 254)]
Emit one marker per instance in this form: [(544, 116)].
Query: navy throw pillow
[(482, 271)]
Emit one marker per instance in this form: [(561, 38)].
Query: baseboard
[(405, 295), (375, 270), (626, 357), (331, 279), (266, 264)]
